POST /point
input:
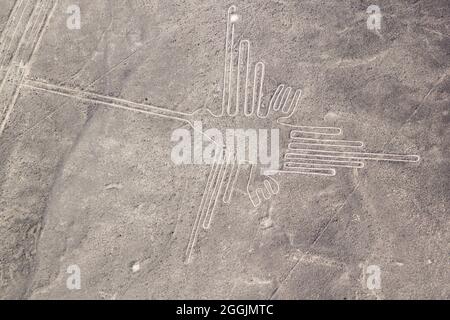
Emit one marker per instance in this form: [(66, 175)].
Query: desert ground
[(87, 182)]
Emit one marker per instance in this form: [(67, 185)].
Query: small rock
[(330, 117), (266, 223), (135, 267), (116, 186)]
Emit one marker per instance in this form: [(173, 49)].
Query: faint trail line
[(443, 35), (56, 109), (14, 59), (113, 68), (102, 40), (3, 57), (7, 29), (9, 108), (23, 55), (10, 91), (44, 26), (320, 234), (435, 85)]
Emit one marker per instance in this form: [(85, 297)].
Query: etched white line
[(357, 155)]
